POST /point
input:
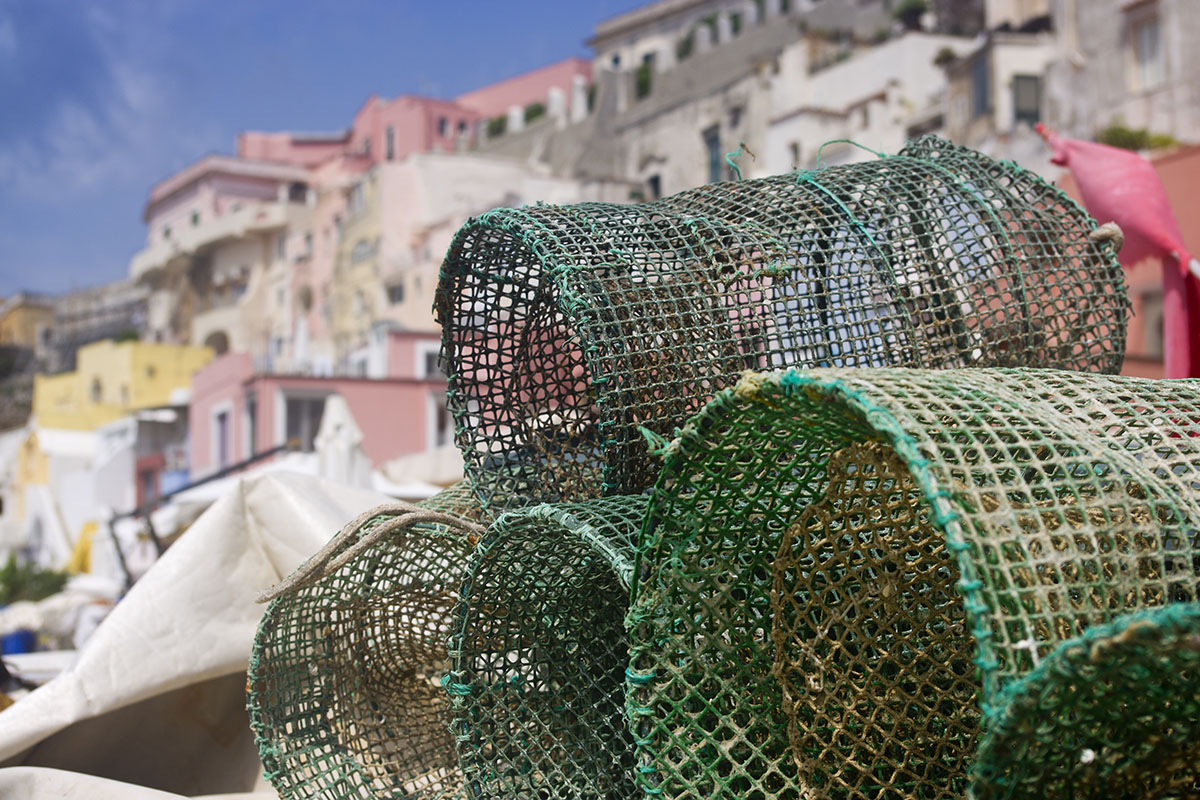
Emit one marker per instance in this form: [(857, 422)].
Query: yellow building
[(112, 379), (25, 320)]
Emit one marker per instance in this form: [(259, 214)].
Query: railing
[(147, 508)]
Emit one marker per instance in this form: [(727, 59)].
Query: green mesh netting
[(538, 652), (344, 687), (847, 577), (1070, 722), (565, 328)]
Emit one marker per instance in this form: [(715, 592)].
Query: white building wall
[(870, 98)]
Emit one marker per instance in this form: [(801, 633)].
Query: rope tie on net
[(1109, 232), (325, 562)]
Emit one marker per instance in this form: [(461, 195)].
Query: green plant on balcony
[(28, 582), (686, 45), (643, 80), (1118, 134), (944, 57), (910, 12), (497, 125), (534, 111)]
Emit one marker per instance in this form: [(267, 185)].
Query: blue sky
[(100, 99)]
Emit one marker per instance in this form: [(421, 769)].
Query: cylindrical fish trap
[(345, 684), (566, 328), (539, 651), (892, 583)]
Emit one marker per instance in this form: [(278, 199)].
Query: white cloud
[(128, 133)]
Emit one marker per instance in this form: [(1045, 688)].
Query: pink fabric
[(1120, 186)]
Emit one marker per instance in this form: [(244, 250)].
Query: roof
[(638, 17), (223, 164)]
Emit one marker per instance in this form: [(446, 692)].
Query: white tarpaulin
[(37, 783), (156, 696)]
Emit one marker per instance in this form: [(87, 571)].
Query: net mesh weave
[(836, 563), (538, 651), (567, 327), (344, 687)]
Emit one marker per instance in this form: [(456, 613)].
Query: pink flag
[(1122, 187)]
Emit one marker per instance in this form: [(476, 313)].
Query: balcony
[(251, 219)]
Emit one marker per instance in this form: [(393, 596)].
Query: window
[(443, 126), (794, 147), (363, 250), (251, 425), (195, 218), (395, 293), (367, 147), (308, 245), (166, 231), (735, 116), (980, 102), (654, 186), (151, 372), (428, 359), (302, 418), (616, 60), (462, 126), (124, 394), (148, 479), (1027, 99), (1152, 325), (1145, 38), (298, 192), (440, 427), (355, 203), (222, 439), (391, 143), (97, 390), (281, 246), (712, 148)]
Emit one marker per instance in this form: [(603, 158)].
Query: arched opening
[(218, 341)]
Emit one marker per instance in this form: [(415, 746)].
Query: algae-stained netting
[(345, 684), (894, 583), (567, 327), (539, 654)]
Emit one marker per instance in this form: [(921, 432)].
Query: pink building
[(236, 413), (530, 87), (390, 130), (242, 251)]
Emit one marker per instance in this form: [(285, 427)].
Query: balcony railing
[(256, 218)]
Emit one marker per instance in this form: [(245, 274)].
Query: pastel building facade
[(875, 96), (237, 413), (287, 251), (103, 439)]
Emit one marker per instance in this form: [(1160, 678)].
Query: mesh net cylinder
[(345, 683), (567, 327), (906, 583), (539, 654)]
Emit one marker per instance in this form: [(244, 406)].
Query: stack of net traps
[(624, 602)]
